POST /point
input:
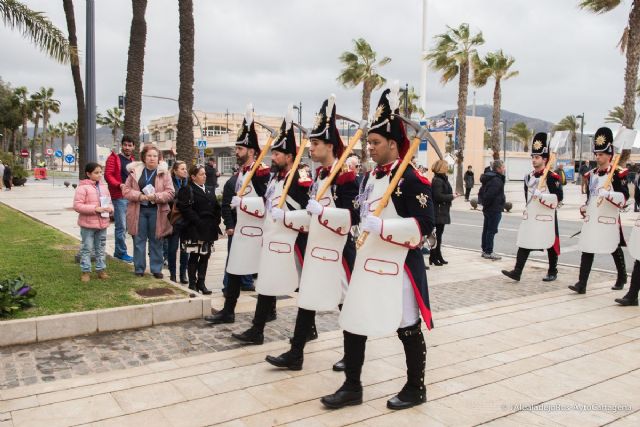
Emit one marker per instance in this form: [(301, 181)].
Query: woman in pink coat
[(93, 204), (149, 190)]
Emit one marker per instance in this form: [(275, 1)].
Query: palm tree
[(62, 132), (80, 125), (495, 65), (361, 66), (26, 110), (569, 123), (629, 45), (522, 134), (617, 116), (184, 138), (36, 27), (49, 105), (413, 105), (135, 71), (451, 56), (36, 107), (113, 120)]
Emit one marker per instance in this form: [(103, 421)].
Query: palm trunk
[(25, 137), (574, 138), (135, 72), (184, 138), (81, 130), (45, 122), (366, 107), (463, 87), (495, 126), (33, 141), (631, 73)]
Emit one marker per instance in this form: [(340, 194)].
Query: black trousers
[(635, 281), (586, 261), (523, 255), (467, 193)]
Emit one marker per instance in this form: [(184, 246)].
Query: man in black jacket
[(493, 200), (229, 217), (212, 174), (469, 180)]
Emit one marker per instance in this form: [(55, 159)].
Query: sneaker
[(493, 256), (125, 258)]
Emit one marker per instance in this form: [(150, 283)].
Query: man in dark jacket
[(229, 217), (469, 180), (493, 200), (212, 174)]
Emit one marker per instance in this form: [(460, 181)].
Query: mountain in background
[(486, 111), (103, 137)]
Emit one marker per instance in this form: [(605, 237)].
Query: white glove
[(314, 207), (277, 213), (235, 201), (372, 224), (604, 193)]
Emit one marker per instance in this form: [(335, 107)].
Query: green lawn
[(45, 256)]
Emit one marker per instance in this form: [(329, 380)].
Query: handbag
[(175, 216)]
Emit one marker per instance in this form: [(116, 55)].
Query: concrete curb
[(44, 328)]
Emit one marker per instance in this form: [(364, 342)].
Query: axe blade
[(302, 128), (269, 128), (624, 138)]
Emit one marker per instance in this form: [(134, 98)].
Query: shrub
[(15, 294)]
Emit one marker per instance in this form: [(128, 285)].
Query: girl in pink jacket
[(93, 204)]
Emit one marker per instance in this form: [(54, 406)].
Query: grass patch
[(45, 256)]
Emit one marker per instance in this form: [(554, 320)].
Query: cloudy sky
[(277, 52)]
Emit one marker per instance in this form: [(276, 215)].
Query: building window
[(156, 136), (214, 130), (168, 135)]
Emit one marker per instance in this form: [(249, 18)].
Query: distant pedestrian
[(93, 204), (211, 169), (148, 190), (1, 174), (7, 177), (201, 211), (493, 200), (443, 195), (469, 181), (560, 172), (115, 173), (636, 193), (584, 168)]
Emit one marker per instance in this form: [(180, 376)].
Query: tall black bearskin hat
[(385, 121), (603, 141), (285, 142), (539, 146), (247, 136), (324, 126)]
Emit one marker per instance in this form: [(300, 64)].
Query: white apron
[(537, 229), (374, 303), (600, 232), (323, 283), (244, 254), (634, 241)]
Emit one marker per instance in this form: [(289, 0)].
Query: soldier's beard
[(242, 160)]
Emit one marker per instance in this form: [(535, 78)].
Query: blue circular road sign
[(69, 158)]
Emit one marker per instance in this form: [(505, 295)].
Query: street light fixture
[(581, 117), (299, 108)]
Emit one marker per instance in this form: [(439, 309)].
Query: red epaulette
[(622, 172), (423, 179), (263, 170), (305, 183), (346, 177), (553, 174)]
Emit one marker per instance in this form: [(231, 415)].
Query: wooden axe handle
[(338, 166)]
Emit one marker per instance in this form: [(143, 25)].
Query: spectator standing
[(7, 177), (1, 174), (229, 217), (148, 190), (115, 173), (179, 178), (562, 174), (580, 178), (211, 169), (201, 211), (469, 181), (443, 195), (493, 198), (93, 204)]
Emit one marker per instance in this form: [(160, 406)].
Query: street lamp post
[(581, 117), (299, 108), (90, 77)]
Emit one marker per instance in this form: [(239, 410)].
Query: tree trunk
[(81, 130), (463, 87), (366, 107), (33, 140), (631, 73), (45, 122), (495, 126), (574, 138), (184, 138), (135, 72), (25, 138)]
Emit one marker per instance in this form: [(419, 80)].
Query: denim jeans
[(489, 230), (246, 280), (147, 232), (174, 244), (120, 216), (96, 240)]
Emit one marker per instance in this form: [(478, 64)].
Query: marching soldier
[(537, 231), (245, 247), (283, 152), (325, 274), (388, 289), (601, 230)]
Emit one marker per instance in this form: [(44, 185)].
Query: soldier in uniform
[(247, 149), (407, 217), (325, 148), (594, 181), (539, 159), (283, 152)]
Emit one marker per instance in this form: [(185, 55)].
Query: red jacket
[(113, 176)]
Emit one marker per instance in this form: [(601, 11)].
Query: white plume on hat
[(248, 114), (394, 96), (289, 117), (331, 102)]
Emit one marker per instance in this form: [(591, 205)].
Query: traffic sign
[(24, 153), (69, 158), (202, 143), (58, 153), (49, 152)]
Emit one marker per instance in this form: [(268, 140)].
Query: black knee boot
[(192, 269), (202, 273), (631, 298), (227, 314), (351, 391), (618, 259), (521, 259), (294, 358), (414, 391), (586, 261), (255, 334), (552, 272)]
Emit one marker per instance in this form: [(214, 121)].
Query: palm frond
[(599, 6)]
